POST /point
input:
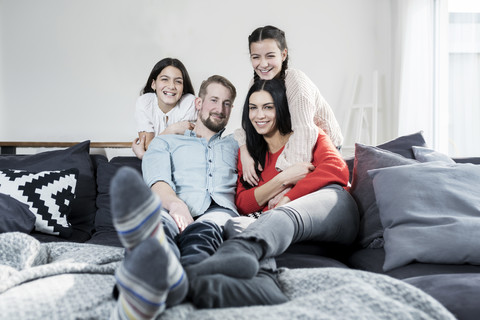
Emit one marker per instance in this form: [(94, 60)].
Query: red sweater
[(330, 168)]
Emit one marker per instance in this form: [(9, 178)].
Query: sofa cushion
[(373, 259), (15, 216), (83, 210), (48, 194), (105, 172), (459, 293), (430, 213), (367, 158)]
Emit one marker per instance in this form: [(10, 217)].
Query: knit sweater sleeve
[(239, 136), (330, 168), (306, 105)]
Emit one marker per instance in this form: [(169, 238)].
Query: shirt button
[(210, 174), (210, 160)]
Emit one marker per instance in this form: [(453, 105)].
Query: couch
[(417, 243)]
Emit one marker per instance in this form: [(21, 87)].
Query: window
[(457, 104)]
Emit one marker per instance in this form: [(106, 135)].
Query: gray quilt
[(75, 281)]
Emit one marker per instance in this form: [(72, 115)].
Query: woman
[(166, 104), (317, 207), (267, 125), (308, 109)]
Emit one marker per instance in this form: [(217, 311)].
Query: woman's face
[(267, 58), (262, 113), (169, 86)]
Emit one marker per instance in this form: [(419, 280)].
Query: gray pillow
[(430, 213), (424, 154), (367, 158)]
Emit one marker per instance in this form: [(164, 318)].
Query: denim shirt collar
[(217, 135)]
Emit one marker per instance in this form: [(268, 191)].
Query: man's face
[(215, 107)]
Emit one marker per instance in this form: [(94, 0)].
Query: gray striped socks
[(142, 293), (150, 273), (135, 209)]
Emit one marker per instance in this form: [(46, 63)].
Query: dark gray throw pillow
[(424, 154), (401, 145), (430, 213), (367, 158), (15, 216)]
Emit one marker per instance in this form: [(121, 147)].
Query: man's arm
[(175, 206)]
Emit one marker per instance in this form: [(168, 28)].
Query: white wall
[(72, 70)]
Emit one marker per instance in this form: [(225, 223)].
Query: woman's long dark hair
[(270, 32), (162, 64), (256, 144)]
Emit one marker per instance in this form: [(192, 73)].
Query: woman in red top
[(311, 202), (266, 121)]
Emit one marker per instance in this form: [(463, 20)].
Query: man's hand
[(177, 209), (181, 215)]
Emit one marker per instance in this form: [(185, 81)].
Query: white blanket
[(75, 281)]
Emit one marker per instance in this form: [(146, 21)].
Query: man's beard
[(214, 125)]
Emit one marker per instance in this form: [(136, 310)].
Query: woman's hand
[(283, 201), (296, 172), (179, 127), (272, 203), (138, 147), (181, 215), (248, 167)]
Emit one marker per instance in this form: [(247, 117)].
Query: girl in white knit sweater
[(308, 109)]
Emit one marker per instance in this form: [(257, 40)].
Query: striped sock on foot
[(135, 209)]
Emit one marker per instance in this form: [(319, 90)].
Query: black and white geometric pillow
[(48, 194)]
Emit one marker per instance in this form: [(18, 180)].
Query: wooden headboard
[(10, 147)]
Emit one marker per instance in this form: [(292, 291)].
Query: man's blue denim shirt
[(198, 170)]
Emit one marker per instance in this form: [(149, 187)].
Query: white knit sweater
[(307, 107)]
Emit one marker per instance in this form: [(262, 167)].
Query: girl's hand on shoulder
[(179, 127), (248, 167), (138, 147), (296, 172)]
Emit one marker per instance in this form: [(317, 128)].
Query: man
[(195, 207)]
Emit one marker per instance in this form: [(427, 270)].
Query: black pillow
[(15, 216), (83, 208), (105, 172)]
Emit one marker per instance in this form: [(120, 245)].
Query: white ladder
[(359, 117)]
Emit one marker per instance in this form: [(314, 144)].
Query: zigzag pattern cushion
[(48, 194)]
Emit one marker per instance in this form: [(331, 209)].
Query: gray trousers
[(328, 215)]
